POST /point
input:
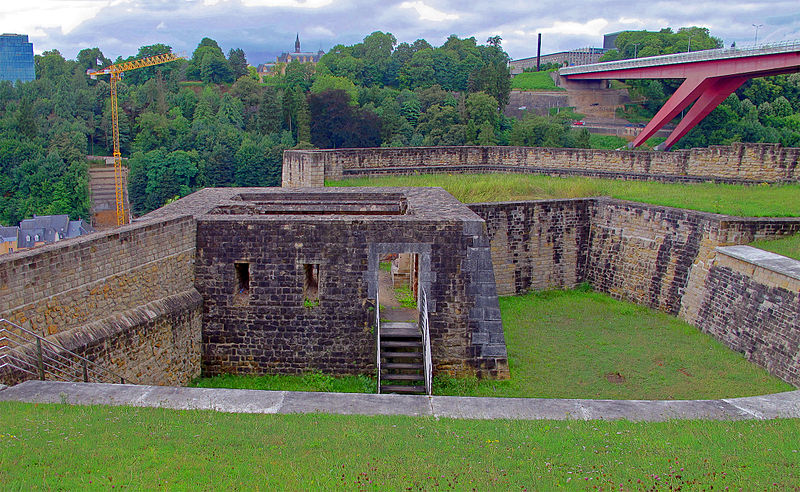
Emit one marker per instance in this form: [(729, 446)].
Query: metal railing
[(32, 356), (378, 334), (692, 56), (426, 340)]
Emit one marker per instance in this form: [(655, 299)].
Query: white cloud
[(426, 12), (161, 26), (595, 27), (318, 31), (295, 4), (35, 15)]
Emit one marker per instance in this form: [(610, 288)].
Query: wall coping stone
[(764, 259)]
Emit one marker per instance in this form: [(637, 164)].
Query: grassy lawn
[(579, 344), (313, 381), (576, 344), (534, 81), (787, 246), (741, 200), (70, 447)]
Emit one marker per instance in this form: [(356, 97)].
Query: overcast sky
[(265, 28)]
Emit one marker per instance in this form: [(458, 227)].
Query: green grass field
[(534, 81), (579, 344), (62, 447), (576, 344), (787, 246), (741, 200)]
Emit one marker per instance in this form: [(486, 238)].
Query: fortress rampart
[(737, 163)]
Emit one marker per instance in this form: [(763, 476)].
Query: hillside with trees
[(209, 120)]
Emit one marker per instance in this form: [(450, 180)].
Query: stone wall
[(750, 300), (748, 163), (124, 297), (537, 245), (264, 324), (647, 254)]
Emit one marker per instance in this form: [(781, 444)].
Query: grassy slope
[(787, 246), (756, 201), (564, 344), (534, 81), (65, 447)]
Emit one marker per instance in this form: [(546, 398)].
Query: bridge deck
[(682, 58)]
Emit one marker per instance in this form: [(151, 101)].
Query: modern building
[(579, 56), (16, 58)]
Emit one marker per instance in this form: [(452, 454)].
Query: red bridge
[(711, 76)]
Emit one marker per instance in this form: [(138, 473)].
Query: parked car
[(578, 123)]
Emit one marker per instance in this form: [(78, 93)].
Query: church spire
[(297, 43)]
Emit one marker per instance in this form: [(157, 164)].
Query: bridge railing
[(692, 56)]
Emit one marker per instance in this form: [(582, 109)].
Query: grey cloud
[(264, 32)]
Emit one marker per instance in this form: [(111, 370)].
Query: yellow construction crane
[(116, 71)]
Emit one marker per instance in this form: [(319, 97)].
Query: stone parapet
[(736, 163)]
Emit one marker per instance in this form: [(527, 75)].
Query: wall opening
[(398, 286), (242, 278), (311, 283)]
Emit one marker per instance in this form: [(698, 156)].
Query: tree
[(238, 63), (336, 124), (209, 64), (269, 112)]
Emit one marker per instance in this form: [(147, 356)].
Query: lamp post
[(757, 26), (636, 49), (690, 43)]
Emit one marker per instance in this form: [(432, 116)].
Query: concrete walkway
[(779, 405)]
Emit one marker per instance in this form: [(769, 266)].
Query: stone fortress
[(217, 282)]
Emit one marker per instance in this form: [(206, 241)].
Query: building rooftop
[(345, 204)]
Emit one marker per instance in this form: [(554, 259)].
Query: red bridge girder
[(707, 83)]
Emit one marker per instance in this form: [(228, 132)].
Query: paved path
[(779, 405)]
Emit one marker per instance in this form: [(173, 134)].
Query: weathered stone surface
[(270, 328), (124, 299), (739, 162)]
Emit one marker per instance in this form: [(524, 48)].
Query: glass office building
[(16, 58)]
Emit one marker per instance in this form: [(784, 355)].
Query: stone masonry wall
[(269, 328), (537, 245), (125, 297), (753, 309), (647, 254), (735, 163)]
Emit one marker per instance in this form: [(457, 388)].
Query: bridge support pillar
[(719, 89)]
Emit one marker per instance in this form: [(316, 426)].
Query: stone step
[(400, 343), (394, 388), (401, 355), (402, 377), (402, 365)]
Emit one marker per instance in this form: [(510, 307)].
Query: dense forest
[(765, 109), (209, 121)]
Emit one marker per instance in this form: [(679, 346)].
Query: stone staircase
[(402, 369), (103, 196)]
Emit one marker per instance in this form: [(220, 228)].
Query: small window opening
[(242, 278), (311, 282)]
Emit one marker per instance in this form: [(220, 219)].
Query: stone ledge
[(764, 259)]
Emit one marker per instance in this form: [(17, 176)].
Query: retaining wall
[(747, 163), (126, 298), (537, 244), (750, 300)]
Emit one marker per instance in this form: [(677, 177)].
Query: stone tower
[(297, 43)]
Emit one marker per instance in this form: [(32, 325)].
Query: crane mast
[(115, 71)]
